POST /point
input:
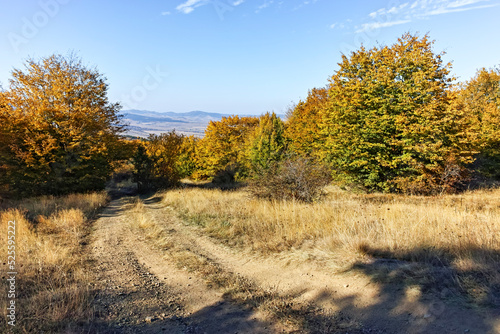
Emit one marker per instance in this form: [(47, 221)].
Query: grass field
[(444, 241)]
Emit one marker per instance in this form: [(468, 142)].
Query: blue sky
[(235, 56)]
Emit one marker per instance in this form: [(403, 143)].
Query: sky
[(235, 56)]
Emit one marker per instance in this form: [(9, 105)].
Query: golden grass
[(290, 313), (454, 231), (53, 281), (149, 227)]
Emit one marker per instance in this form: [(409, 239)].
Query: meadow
[(447, 241)]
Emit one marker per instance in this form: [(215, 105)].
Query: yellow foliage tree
[(156, 162), (58, 128), (388, 121), (479, 99), (303, 124), (222, 146)]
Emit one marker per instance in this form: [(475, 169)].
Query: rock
[(149, 319)]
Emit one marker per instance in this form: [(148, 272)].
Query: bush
[(293, 178), (226, 175)]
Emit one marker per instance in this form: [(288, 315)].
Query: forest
[(391, 119)]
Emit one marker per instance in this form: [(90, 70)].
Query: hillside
[(141, 123)]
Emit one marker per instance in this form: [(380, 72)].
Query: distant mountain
[(142, 123)]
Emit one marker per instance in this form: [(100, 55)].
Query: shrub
[(293, 178), (226, 175)]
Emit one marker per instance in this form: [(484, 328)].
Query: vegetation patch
[(446, 241), (53, 280)]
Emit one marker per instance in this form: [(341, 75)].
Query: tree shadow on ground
[(221, 317), (227, 317), (425, 291), (224, 186)]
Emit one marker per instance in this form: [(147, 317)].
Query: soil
[(141, 289)]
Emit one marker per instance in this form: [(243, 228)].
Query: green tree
[(61, 128), (187, 159), (266, 144), (388, 121)]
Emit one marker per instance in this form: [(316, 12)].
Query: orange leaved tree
[(58, 129), (479, 100), (303, 124)]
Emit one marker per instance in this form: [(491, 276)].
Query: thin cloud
[(426, 8), (419, 9), (265, 5), (337, 26), (165, 13), (455, 10), (378, 25), (189, 6)]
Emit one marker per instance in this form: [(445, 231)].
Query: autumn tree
[(187, 158), (156, 162), (222, 146), (479, 100), (265, 144), (388, 121), (303, 124), (61, 128)]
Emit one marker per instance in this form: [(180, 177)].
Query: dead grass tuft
[(53, 282)]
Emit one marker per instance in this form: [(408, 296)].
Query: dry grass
[(52, 284), (149, 227), (293, 315), (455, 232)]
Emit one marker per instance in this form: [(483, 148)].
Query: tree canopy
[(59, 132), (388, 122), (303, 124)]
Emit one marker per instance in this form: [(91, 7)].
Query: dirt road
[(197, 285)]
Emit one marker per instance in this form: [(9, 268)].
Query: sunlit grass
[(53, 278), (457, 231)]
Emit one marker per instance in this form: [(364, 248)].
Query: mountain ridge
[(142, 123)]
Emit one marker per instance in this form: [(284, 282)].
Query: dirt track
[(143, 290)]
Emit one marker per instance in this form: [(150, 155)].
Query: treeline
[(391, 119)]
